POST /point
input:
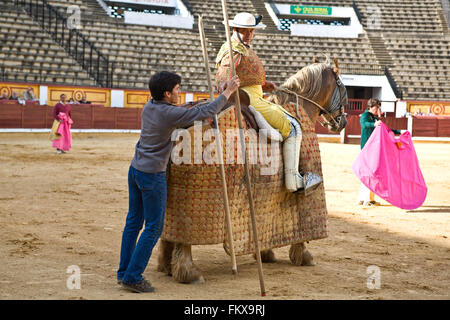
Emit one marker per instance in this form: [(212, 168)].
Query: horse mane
[(306, 82)]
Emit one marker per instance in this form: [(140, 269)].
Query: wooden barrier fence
[(85, 116), (425, 126), (422, 126), (91, 116)]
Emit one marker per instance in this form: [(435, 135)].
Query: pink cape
[(389, 167), (65, 142)]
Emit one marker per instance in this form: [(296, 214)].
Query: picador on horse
[(284, 216), (252, 74)]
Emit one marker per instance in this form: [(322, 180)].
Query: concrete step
[(267, 20), (380, 50)]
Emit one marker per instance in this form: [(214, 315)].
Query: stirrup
[(311, 182)]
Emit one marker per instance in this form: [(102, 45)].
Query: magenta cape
[(389, 167)]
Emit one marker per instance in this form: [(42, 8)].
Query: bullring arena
[(66, 212), (63, 211)]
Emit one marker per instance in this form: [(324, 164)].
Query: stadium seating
[(402, 15), (90, 9), (212, 10), (411, 38), (29, 55), (355, 55), (395, 15), (68, 3), (138, 51), (421, 66)]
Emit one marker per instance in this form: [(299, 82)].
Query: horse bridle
[(339, 95), (338, 105)]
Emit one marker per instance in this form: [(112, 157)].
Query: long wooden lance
[(242, 138), (219, 149)]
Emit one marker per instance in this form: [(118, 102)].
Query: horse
[(194, 201)]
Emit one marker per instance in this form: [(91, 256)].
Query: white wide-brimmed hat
[(247, 20)]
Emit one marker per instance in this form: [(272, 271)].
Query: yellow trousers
[(274, 114)]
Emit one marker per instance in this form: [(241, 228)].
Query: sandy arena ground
[(62, 210)]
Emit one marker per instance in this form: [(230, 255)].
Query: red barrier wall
[(429, 126), (15, 115), (354, 127)]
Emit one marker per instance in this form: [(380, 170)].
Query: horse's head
[(320, 86), (336, 103)]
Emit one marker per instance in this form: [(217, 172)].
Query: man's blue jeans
[(147, 203)]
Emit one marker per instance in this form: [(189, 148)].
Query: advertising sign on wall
[(311, 10), (161, 3)]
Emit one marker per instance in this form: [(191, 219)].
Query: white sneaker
[(58, 151)]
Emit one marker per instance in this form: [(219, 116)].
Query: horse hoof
[(267, 256), (200, 280), (188, 274), (160, 268), (296, 255), (307, 259), (299, 256), (164, 269), (165, 257)]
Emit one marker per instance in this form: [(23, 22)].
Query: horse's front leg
[(165, 256), (300, 256), (183, 268)]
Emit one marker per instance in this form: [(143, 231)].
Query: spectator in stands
[(4, 96), (251, 72), (369, 121), (15, 96), (418, 113), (28, 95), (146, 176), (83, 100), (63, 113), (72, 101)]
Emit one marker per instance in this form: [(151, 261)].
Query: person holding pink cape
[(62, 113), (389, 167), (369, 121)]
